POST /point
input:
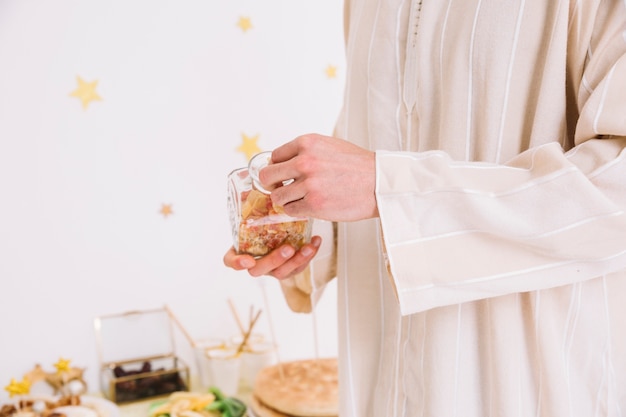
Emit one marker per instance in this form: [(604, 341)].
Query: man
[(481, 252)]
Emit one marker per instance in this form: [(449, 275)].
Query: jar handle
[(258, 162)]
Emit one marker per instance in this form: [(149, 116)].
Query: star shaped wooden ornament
[(86, 92), (59, 380), (36, 375), (166, 210), (244, 23), (331, 71), (249, 145)]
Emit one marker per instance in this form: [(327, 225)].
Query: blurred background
[(119, 123)]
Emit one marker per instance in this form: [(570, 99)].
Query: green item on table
[(227, 406), (156, 404)]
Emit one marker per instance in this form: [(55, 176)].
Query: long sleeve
[(493, 283), (461, 231)]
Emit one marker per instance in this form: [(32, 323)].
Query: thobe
[(494, 281)]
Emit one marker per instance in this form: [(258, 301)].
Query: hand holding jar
[(265, 238), (313, 176), (330, 179)]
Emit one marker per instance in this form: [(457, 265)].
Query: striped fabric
[(494, 282)]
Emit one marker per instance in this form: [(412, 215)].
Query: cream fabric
[(494, 282)]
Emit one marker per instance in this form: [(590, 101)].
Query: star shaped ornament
[(18, 387), (63, 365), (244, 23), (249, 145), (59, 380), (85, 92), (36, 375)]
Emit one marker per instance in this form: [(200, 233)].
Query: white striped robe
[(494, 282)]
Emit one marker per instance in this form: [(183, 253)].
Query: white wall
[(81, 189)]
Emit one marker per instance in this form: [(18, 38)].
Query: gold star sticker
[(244, 23), (86, 92), (18, 388), (331, 71), (166, 210), (63, 365), (249, 145)]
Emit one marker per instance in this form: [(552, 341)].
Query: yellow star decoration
[(86, 92), (331, 71), (63, 365), (166, 210), (18, 388), (244, 23), (249, 145)]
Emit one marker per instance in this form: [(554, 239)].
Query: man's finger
[(272, 260)]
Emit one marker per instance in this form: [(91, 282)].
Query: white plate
[(102, 406)]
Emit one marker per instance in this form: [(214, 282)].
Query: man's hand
[(333, 179), (281, 263)]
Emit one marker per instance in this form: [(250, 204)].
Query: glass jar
[(258, 226)]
